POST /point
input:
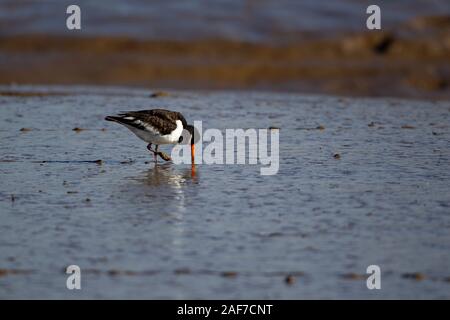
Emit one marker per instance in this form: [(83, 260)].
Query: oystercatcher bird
[(157, 126)]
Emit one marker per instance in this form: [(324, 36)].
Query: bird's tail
[(111, 118)]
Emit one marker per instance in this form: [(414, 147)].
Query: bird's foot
[(164, 156), (157, 153)]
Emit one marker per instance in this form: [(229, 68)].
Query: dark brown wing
[(164, 121)]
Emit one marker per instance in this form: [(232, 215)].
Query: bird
[(156, 127)]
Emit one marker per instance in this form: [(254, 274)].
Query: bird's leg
[(149, 148), (156, 154)]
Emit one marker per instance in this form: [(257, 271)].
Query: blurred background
[(277, 45)]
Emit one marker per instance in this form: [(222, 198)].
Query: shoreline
[(160, 94), (413, 60)]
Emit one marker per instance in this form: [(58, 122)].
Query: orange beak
[(192, 153), (193, 160)]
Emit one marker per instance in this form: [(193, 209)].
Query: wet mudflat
[(361, 182)]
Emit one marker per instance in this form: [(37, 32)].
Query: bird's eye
[(180, 139)]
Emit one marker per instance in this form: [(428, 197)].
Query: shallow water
[(227, 232), (268, 20)]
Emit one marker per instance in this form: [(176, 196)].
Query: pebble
[(353, 276), (159, 94), (414, 276), (229, 274), (290, 280)]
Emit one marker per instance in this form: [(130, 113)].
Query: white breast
[(151, 135), (174, 135)]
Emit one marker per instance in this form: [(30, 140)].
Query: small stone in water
[(229, 274), (353, 276), (415, 276), (159, 94), (289, 280)]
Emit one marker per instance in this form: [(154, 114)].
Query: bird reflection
[(165, 185), (166, 175), (164, 191)]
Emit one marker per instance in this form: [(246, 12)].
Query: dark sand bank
[(411, 60)]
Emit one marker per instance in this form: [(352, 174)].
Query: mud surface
[(361, 182)]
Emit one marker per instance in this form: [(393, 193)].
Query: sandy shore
[(411, 60)]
